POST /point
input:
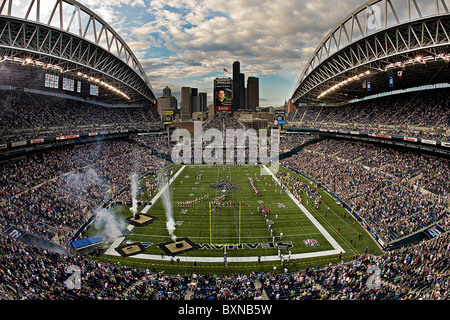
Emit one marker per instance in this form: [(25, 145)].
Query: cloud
[(253, 32), (183, 39)]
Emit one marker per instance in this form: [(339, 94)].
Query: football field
[(240, 211)]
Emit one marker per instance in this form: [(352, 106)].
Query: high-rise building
[(167, 102), (239, 95), (195, 100), (236, 85), (252, 93), (167, 92), (291, 106), (242, 95), (186, 106), (203, 101)]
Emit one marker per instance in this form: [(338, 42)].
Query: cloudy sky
[(190, 42)]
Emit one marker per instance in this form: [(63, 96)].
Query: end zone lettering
[(264, 245)]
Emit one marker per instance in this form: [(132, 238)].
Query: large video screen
[(223, 94)]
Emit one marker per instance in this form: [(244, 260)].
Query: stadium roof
[(374, 43), (66, 36)]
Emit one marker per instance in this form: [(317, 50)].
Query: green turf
[(222, 226), (234, 225)]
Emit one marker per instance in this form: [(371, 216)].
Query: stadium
[(343, 195)]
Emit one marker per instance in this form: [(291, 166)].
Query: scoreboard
[(167, 117), (280, 117)]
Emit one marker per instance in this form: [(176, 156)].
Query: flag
[(369, 88), (391, 80), (400, 74)]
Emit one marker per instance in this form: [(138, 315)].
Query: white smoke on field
[(170, 225), (84, 178), (136, 158), (84, 185), (108, 222), (134, 190), (167, 202)]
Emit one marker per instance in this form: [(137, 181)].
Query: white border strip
[(229, 259)]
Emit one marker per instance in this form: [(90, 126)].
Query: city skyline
[(189, 43), (243, 96)]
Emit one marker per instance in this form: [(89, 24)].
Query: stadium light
[(32, 62), (344, 82), (103, 84), (418, 59), (400, 64), (29, 61)]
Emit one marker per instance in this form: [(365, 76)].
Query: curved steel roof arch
[(377, 30), (75, 34)]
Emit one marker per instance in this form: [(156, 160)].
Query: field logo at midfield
[(209, 147), (311, 242)]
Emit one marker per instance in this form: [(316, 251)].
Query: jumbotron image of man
[(221, 99)]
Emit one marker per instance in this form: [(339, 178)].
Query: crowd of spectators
[(395, 194), (222, 123), (53, 193), (32, 273), (414, 114), (29, 272), (286, 141), (290, 141), (25, 115), (45, 193), (419, 272)]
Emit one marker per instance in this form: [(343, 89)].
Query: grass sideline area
[(244, 226)]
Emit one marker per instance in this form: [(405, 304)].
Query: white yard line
[(337, 248)]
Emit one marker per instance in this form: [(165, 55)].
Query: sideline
[(316, 223)]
